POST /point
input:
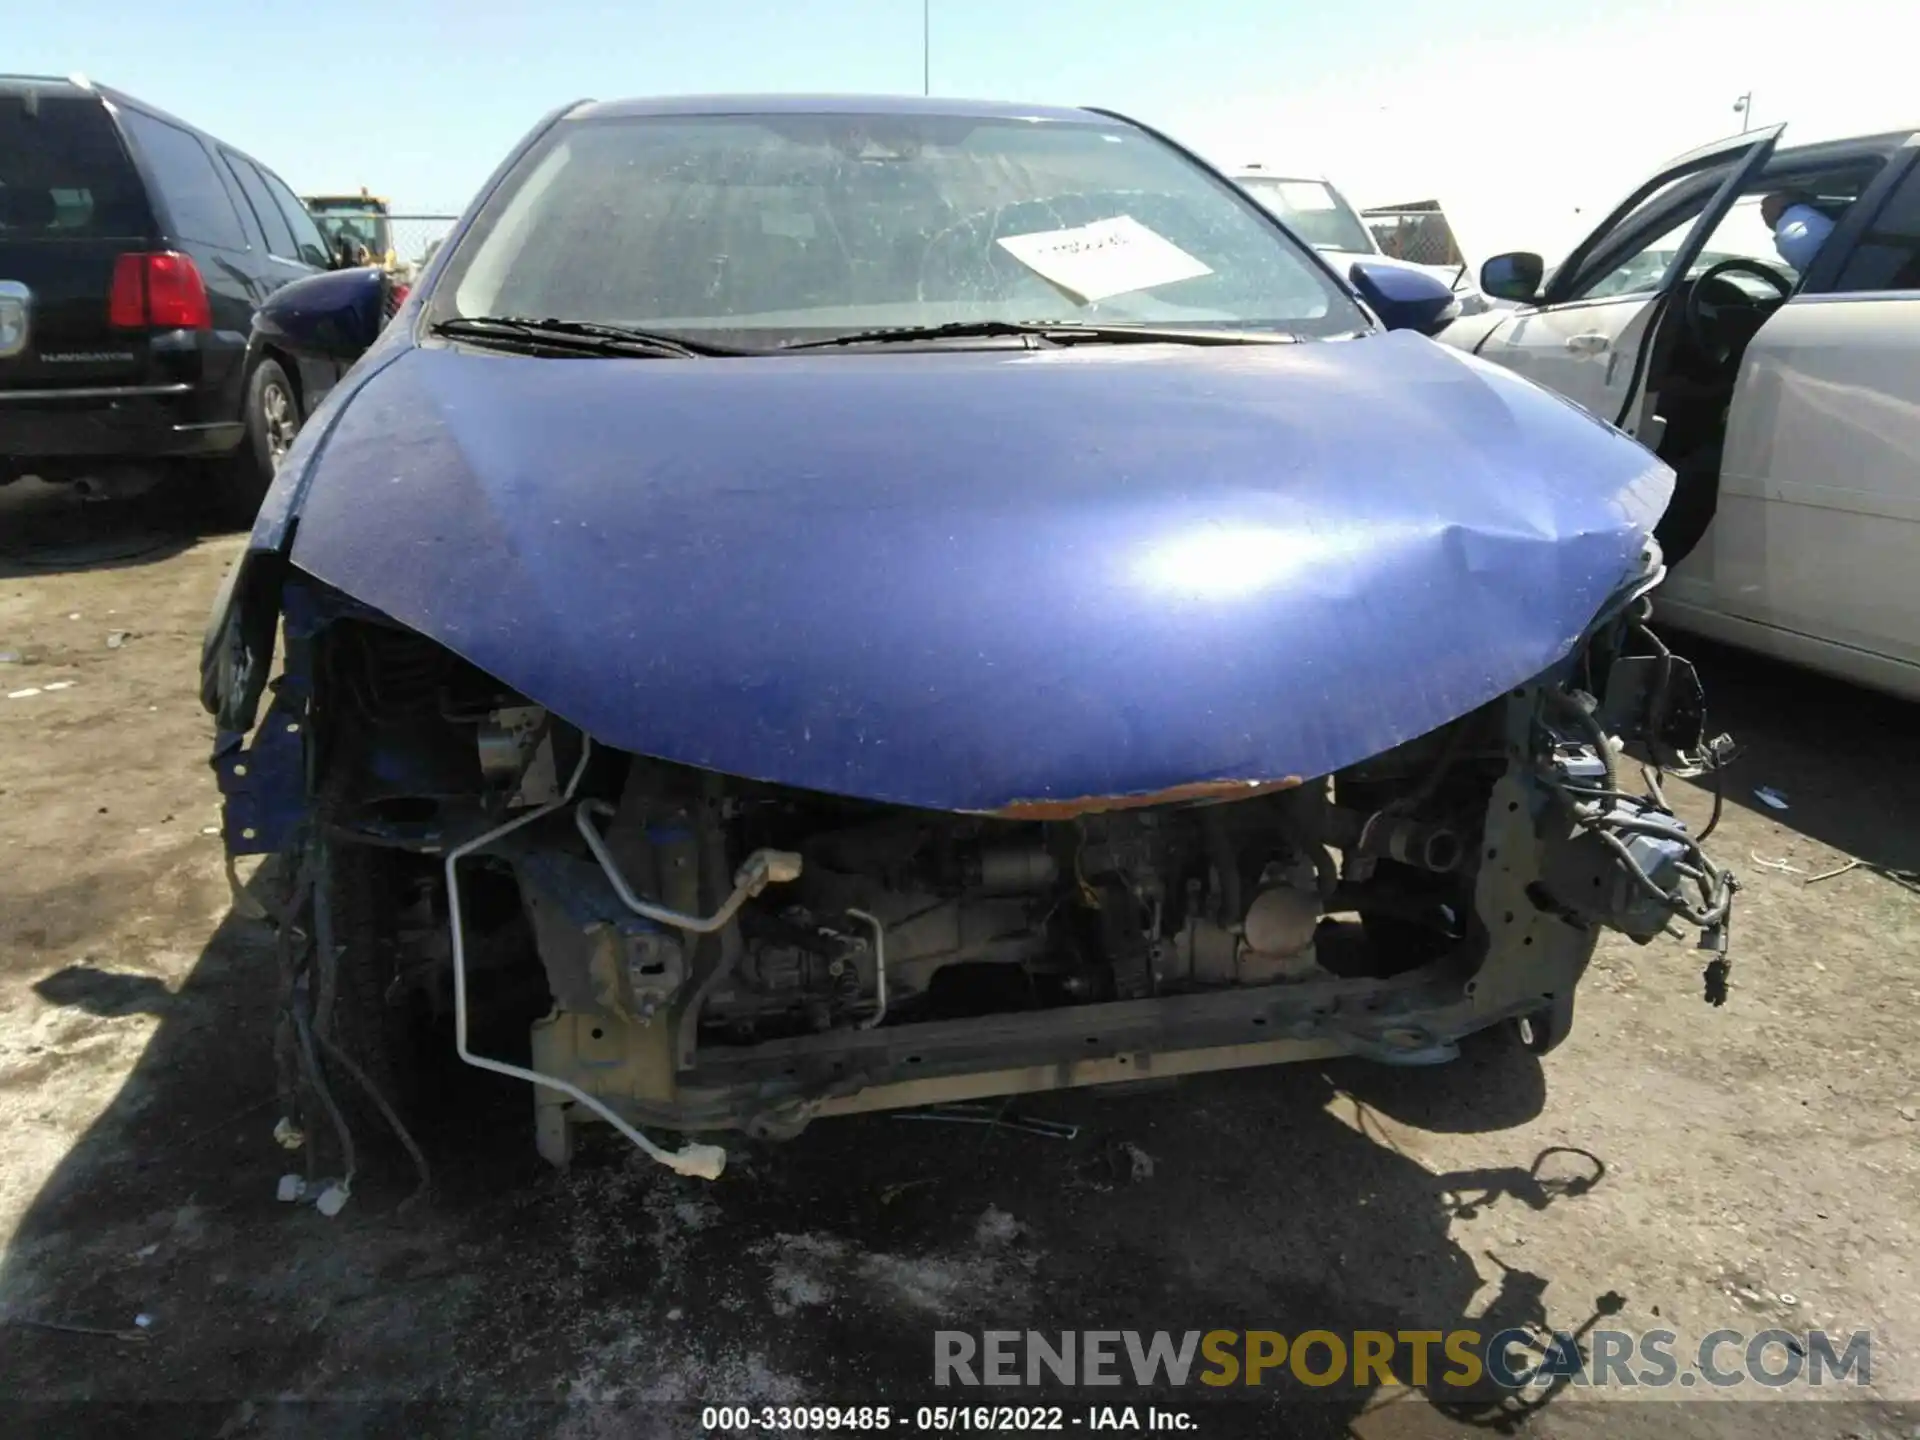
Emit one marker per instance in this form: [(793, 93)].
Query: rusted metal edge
[(1172, 795)]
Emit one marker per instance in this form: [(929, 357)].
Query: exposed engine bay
[(701, 951)]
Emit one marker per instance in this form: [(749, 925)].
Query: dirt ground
[(1671, 1165)]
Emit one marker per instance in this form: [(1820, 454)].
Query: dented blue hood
[(966, 580)]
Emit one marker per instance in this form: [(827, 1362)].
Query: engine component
[(516, 755), (1201, 953), (1130, 843), (879, 967), (1281, 920), (505, 740), (1011, 869), (1382, 836), (692, 1158), (1272, 942), (599, 959), (761, 869), (1125, 943), (821, 970), (1658, 700), (1630, 862), (1586, 880), (656, 965), (679, 992)]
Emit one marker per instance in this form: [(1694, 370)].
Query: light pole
[(926, 47), (1743, 107)]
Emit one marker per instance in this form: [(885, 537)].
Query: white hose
[(879, 968), (762, 868), (704, 1161)]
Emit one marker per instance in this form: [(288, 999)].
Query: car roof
[(1787, 165), (1798, 156), (833, 105), (80, 87), (1261, 170), (58, 84), (75, 87)]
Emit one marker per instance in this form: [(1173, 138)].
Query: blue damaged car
[(819, 605)]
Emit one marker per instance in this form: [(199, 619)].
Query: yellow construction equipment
[(358, 227)]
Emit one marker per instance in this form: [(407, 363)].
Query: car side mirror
[(1405, 299), (1516, 275), (335, 316)]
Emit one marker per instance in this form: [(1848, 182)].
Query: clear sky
[(1516, 116)]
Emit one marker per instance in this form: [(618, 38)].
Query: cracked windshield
[(769, 229)]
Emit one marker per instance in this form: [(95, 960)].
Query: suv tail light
[(161, 291)]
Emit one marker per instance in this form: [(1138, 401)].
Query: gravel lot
[(1671, 1165)]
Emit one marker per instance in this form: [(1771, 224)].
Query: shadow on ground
[(1840, 756), (616, 1299), (104, 992), (48, 529)]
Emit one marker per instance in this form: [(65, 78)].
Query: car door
[(1591, 334), (1818, 524), (201, 219), (281, 261), (314, 255)]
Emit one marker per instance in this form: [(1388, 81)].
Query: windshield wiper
[(1059, 332), (583, 337)]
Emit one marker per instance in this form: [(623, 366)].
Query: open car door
[(1590, 334)]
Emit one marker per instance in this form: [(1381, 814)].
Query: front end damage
[(694, 951)]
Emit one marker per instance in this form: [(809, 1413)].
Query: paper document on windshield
[(1108, 257)]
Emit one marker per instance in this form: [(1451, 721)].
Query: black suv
[(134, 250)]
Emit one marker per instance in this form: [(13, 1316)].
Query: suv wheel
[(279, 413), (272, 420)]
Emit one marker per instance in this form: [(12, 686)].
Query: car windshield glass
[(777, 228), (368, 227), (1314, 210)]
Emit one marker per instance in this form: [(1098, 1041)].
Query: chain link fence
[(1419, 233), (416, 237)]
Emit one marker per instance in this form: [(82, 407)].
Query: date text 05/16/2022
[(938, 1419)]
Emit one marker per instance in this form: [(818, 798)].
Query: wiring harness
[(1643, 836)]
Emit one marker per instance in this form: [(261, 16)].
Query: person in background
[(1799, 228)]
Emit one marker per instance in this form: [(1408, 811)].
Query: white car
[(1319, 214), (1789, 403)]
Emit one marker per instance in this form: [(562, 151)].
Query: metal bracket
[(263, 785)]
